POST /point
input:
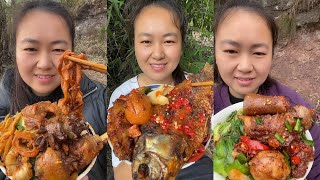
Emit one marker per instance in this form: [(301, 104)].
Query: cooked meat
[(263, 127), (304, 113), (51, 166), (255, 104), (304, 153), (85, 149), (37, 114), (117, 127), (269, 165)]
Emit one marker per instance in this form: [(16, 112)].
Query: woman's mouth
[(44, 78), (158, 67), (244, 81)]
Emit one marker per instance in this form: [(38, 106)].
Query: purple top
[(222, 100)]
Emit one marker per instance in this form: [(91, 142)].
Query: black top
[(233, 99)]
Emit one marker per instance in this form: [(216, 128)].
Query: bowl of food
[(258, 146), (45, 143)]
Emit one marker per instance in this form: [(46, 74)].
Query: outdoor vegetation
[(198, 48)]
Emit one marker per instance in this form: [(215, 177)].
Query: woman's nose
[(158, 52), (245, 64), (45, 61)]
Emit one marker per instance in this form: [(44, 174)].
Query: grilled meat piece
[(255, 104), (50, 165), (269, 165), (117, 128), (85, 149)]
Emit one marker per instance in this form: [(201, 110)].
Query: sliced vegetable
[(279, 138), (242, 158), (20, 125), (259, 121), (253, 145), (295, 160), (298, 127), (288, 126), (307, 141)]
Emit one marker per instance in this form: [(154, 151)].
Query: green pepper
[(242, 158), (279, 138), (288, 126), (259, 121), (307, 141), (298, 127), (20, 125)]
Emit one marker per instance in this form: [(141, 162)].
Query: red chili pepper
[(294, 148), (253, 145), (295, 160)]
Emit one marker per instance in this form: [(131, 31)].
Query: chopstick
[(104, 137), (94, 66), (206, 83)]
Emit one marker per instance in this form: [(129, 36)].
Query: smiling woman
[(158, 28), (38, 47), (245, 40), (42, 31)]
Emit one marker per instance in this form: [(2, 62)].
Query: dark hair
[(257, 9), (21, 92), (133, 8)]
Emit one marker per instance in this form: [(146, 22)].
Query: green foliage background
[(198, 48)]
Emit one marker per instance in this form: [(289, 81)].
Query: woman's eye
[(30, 49), (145, 42), (58, 50), (230, 51), (169, 42), (259, 53)]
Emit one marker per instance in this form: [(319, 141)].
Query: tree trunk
[(4, 47)]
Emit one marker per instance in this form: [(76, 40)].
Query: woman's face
[(157, 43), (40, 40), (243, 51)]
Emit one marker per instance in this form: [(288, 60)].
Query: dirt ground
[(297, 64)]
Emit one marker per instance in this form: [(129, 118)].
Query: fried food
[(255, 104), (18, 166), (50, 165), (269, 165)]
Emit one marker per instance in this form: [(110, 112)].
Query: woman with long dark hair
[(43, 30)]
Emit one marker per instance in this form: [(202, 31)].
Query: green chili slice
[(288, 126), (297, 127), (279, 138), (259, 121)]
